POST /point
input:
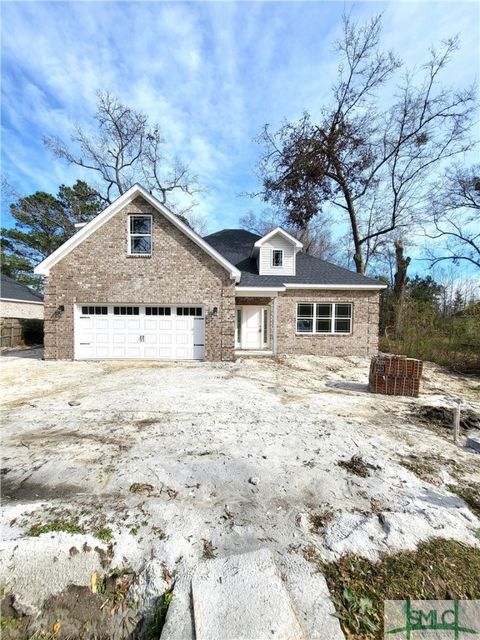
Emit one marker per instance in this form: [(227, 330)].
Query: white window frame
[(277, 266), (131, 235), (333, 317)]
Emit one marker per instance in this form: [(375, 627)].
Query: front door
[(252, 334)]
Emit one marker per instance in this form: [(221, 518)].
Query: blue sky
[(210, 73)]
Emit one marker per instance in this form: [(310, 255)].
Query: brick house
[(136, 282)]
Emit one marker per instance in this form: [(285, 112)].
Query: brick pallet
[(395, 375)]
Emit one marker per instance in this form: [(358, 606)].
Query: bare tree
[(125, 150), (455, 204), (315, 237), (371, 161)]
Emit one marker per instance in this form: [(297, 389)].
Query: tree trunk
[(399, 288)]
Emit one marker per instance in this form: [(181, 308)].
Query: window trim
[(334, 317), (131, 235), (277, 266)]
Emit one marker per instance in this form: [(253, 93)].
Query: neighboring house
[(136, 282), (18, 305)]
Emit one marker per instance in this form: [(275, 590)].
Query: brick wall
[(363, 340), (99, 270)]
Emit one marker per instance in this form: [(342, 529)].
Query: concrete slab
[(243, 597), (179, 622), (310, 598)]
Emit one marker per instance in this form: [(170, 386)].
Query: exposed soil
[(442, 417), (149, 466)]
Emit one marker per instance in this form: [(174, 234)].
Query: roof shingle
[(13, 290), (236, 246)]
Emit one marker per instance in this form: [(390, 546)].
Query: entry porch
[(255, 325)]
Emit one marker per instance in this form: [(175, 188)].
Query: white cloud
[(211, 74)]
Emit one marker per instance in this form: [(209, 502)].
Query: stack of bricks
[(395, 375)]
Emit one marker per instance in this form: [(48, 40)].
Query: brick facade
[(363, 341), (100, 270)]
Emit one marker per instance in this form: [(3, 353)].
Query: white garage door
[(139, 332)]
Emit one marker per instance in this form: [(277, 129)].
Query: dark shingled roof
[(13, 290), (236, 246)]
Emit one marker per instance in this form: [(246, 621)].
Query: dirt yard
[(135, 465)]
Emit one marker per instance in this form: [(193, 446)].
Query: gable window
[(277, 258), (325, 317), (140, 235)]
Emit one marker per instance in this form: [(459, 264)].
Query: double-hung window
[(324, 317), (277, 258), (140, 235)]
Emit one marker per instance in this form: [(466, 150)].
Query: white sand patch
[(195, 433)]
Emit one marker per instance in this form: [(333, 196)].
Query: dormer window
[(277, 258), (139, 235)]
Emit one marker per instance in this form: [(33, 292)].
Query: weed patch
[(104, 533), (158, 616), (421, 468), (56, 525), (355, 465), (320, 520), (208, 549), (470, 494), (438, 570)]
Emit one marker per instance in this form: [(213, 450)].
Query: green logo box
[(431, 619)]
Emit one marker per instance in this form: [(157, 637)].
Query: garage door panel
[(151, 352), (105, 334), (182, 324), (134, 353), (182, 353), (151, 324)]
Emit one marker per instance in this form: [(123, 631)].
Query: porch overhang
[(258, 292)]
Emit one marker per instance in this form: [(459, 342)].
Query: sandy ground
[(183, 460)]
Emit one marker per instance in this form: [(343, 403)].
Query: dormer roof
[(283, 233)]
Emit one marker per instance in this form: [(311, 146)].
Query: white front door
[(252, 333), (139, 332)]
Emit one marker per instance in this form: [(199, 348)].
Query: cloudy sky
[(210, 73)]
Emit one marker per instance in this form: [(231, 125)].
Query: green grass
[(438, 570), (470, 493), (158, 616), (10, 624), (104, 533), (55, 525)]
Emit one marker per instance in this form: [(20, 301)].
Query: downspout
[(274, 324)]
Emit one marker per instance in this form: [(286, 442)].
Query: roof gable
[(137, 190), (281, 232)]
